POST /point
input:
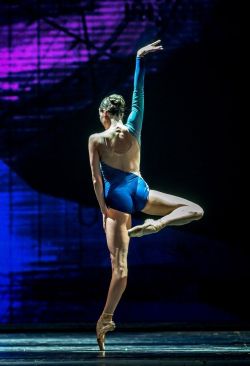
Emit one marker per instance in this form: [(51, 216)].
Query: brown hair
[(114, 104)]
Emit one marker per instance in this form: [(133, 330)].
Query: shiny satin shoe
[(150, 226), (104, 325)]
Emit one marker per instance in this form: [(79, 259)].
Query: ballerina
[(121, 191)]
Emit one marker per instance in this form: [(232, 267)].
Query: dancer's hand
[(152, 47), (105, 215), (104, 220)]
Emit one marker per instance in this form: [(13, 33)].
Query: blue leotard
[(126, 191)]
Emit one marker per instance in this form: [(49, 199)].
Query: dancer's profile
[(121, 191)]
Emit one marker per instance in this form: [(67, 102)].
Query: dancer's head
[(111, 107)]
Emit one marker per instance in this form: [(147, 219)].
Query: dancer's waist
[(110, 172)]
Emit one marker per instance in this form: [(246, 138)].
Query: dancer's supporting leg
[(117, 226), (174, 211)]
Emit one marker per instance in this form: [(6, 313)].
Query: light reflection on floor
[(127, 348)]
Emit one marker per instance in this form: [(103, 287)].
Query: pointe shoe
[(103, 326), (150, 226)]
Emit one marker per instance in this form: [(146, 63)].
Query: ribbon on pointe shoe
[(102, 327)]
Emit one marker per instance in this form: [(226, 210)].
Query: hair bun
[(114, 101), (115, 104)]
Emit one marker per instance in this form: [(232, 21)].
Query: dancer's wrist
[(104, 210), (140, 54)]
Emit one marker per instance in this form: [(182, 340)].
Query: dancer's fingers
[(104, 222), (159, 48), (159, 40)]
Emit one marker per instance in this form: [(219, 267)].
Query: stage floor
[(126, 348)]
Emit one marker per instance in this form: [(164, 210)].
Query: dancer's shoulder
[(96, 138)]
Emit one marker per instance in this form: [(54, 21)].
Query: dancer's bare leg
[(117, 226), (174, 211)]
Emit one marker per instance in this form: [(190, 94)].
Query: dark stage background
[(57, 61)]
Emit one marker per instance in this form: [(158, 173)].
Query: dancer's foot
[(150, 226), (104, 325)]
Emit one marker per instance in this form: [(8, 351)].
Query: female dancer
[(120, 190)]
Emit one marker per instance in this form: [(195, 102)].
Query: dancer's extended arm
[(134, 122), (135, 119)]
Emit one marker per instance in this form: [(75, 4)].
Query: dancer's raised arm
[(135, 119)]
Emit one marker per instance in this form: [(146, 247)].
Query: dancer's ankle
[(163, 221), (107, 316)]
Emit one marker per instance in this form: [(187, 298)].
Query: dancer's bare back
[(119, 149)]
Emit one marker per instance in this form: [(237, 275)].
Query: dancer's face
[(104, 118)]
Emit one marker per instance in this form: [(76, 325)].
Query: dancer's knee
[(120, 270), (119, 265)]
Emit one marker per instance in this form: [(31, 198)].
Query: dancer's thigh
[(117, 226), (161, 204)]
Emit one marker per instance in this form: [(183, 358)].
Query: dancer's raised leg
[(174, 211)]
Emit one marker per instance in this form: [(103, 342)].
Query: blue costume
[(126, 191)]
